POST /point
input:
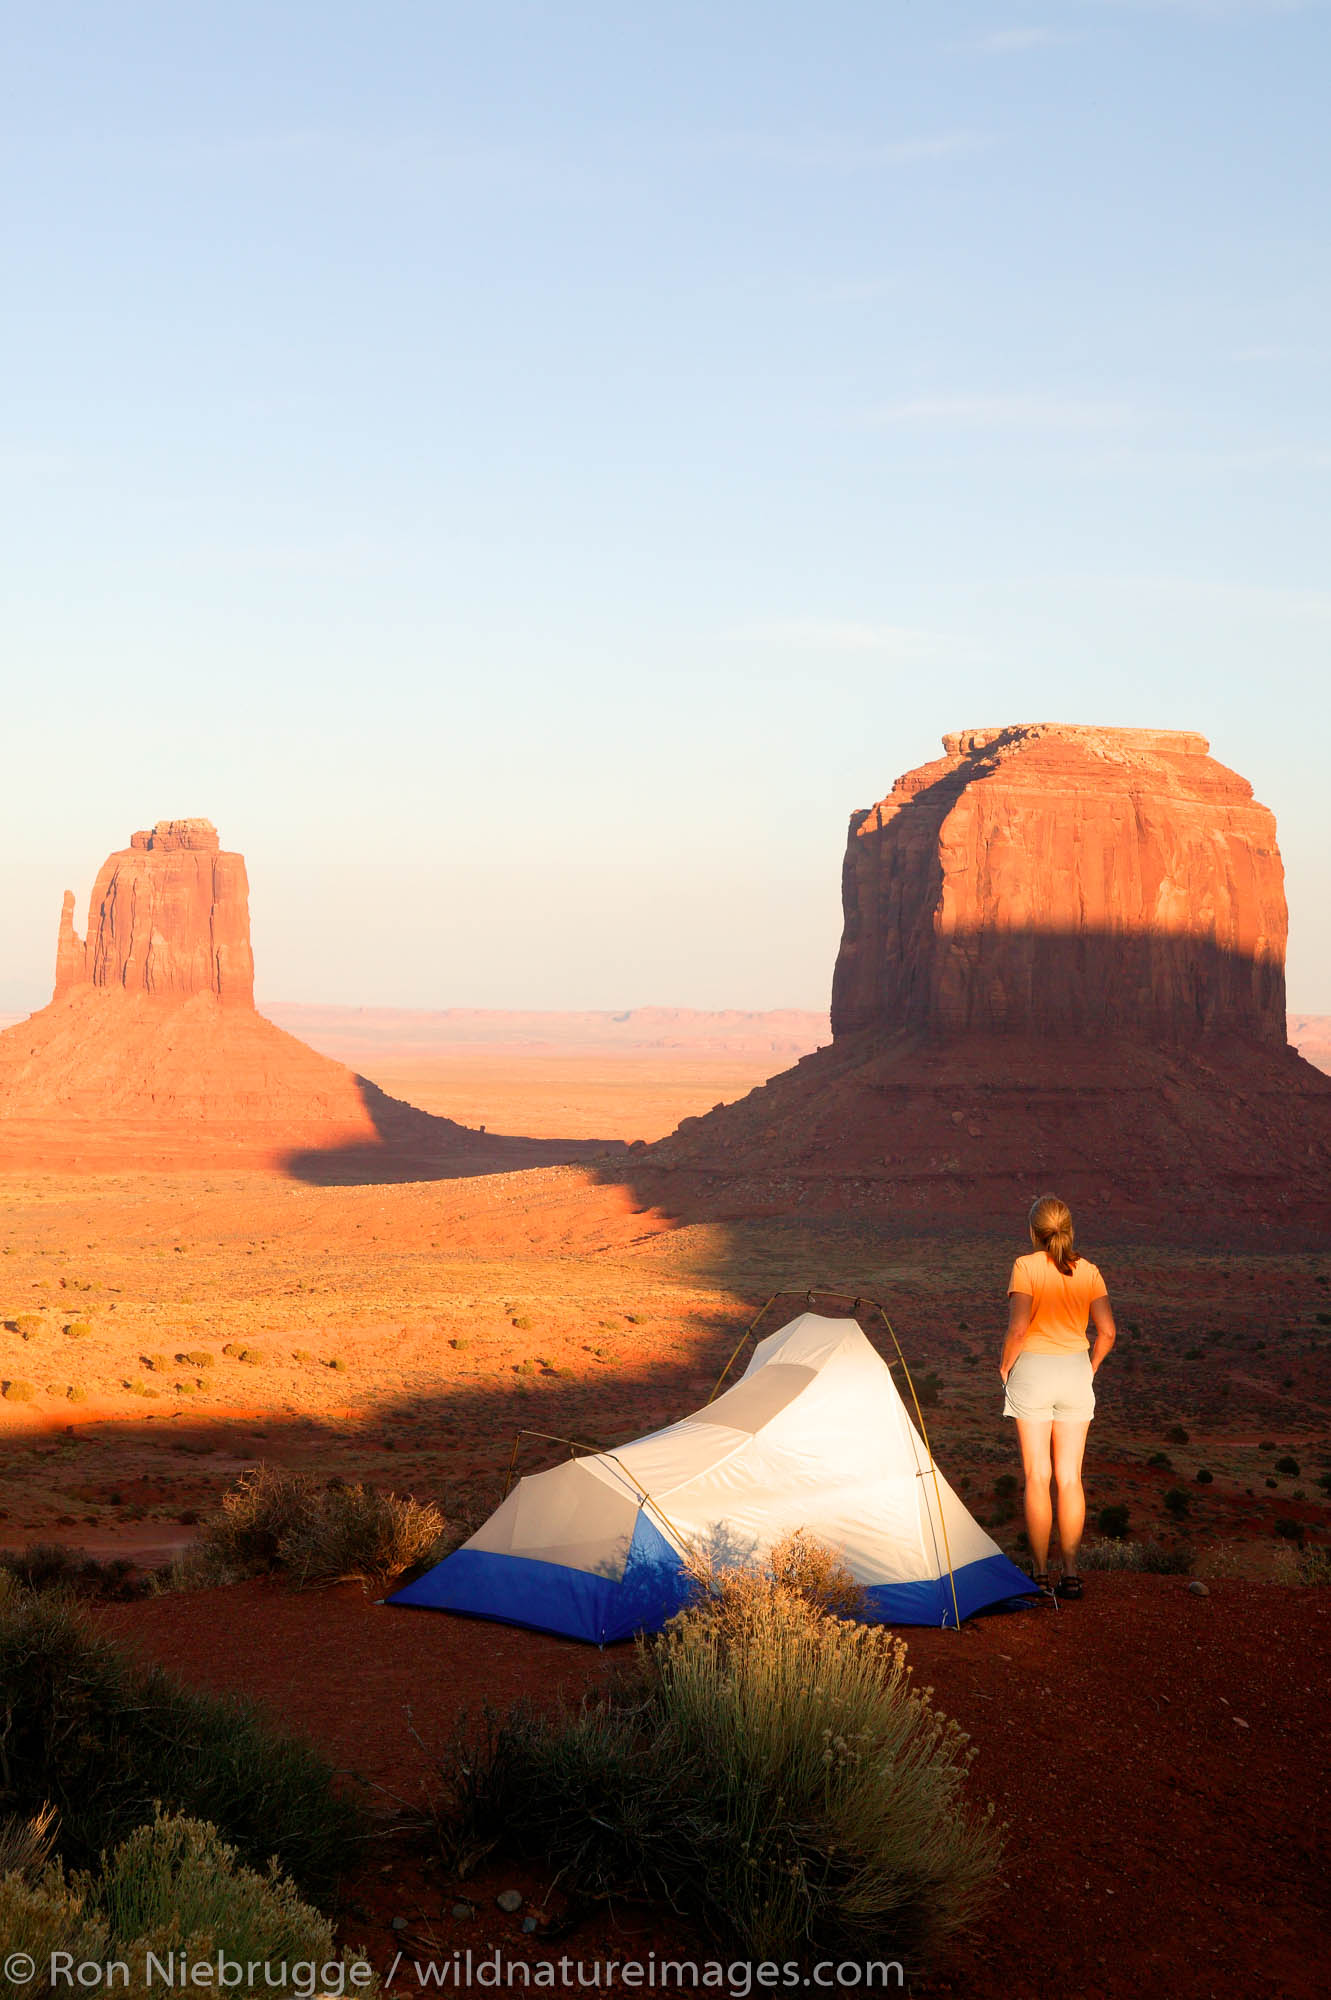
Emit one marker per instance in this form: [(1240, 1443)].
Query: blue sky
[(529, 471)]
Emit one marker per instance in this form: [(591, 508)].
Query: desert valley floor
[(163, 1333)]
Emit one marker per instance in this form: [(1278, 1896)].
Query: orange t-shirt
[(1060, 1306)]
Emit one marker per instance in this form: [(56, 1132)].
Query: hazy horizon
[(528, 475)]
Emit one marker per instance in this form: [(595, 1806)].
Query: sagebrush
[(766, 1769), (174, 1885), (275, 1522), (88, 1730)]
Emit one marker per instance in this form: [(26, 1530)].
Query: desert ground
[(162, 1333)]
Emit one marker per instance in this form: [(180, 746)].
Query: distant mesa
[(151, 1052), (1062, 964)]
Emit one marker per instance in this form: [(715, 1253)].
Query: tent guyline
[(815, 1435)]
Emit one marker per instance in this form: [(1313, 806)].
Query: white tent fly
[(813, 1436)]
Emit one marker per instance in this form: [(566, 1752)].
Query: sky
[(528, 472)]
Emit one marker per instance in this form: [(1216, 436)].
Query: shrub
[(288, 1523), (27, 1324), (253, 1355), (157, 1363), (177, 1877), (1153, 1557), (1162, 1460), (172, 1886), (1176, 1435), (1113, 1521), (19, 1392), (1005, 1486), (76, 1393), (79, 1329), (1203, 1477), (233, 1348), (769, 1770), (1177, 1501), (1289, 1531), (523, 1323), (52, 1566), (815, 1574), (301, 1354), (1314, 1566), (199, 1357), (104, 1739), (25, 1844), (338, 1364), (1288, 1467)]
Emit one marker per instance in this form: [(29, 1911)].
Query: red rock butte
[(1068, 879), (170, 917), (1062, 965), (151, 1052)]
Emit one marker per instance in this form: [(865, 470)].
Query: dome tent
[(814, 1435)]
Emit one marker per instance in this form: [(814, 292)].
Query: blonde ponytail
[(1051, 1225)]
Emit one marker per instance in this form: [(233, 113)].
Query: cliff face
[(169, 918), (1070, 880), (1063, 967)]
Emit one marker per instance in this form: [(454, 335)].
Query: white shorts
[(1046, 1388)]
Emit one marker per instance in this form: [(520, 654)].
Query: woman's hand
[(1018, 1320)]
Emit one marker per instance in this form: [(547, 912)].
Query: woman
[(1047, 1368)]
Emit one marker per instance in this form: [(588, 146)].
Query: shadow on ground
[(415, 1145)]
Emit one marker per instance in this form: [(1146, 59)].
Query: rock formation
[(169, 917), (1069, 880), (151, 1053), (1062, 965)]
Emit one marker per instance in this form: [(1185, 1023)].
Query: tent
[(814, 1435)]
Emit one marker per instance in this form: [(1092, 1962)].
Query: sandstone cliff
[(1063, 966), (1065, 879), (169, 917)]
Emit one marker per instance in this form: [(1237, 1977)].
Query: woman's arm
[(1102, 1319), (1018, 1319)]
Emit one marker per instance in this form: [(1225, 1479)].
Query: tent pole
[(938, 1497), (743, 1337)]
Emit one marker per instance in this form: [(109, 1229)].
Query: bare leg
[(1034, 1437), (1069, 1443)]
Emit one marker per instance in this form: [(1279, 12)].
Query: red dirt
[(1160, 1759)]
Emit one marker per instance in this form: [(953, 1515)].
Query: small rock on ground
[(509, 1900)]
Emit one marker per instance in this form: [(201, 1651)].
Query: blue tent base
[(548, 1597)]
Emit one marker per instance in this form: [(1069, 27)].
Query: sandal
[(1069, 1586), (1044, 1589)]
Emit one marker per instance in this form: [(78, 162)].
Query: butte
[(1062, 966), (152, 1054)]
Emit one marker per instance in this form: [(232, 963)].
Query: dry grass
[(275, 1522)]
